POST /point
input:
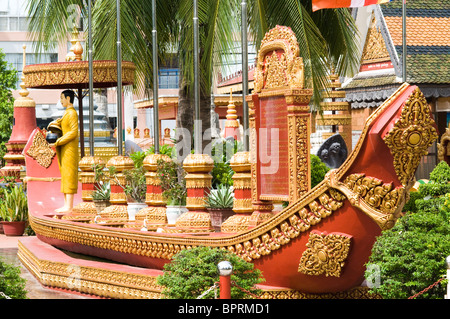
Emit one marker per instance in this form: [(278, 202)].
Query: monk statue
[(67, 150)]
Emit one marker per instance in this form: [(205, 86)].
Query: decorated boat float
[(315, 247)]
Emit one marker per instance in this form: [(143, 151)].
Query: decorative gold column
[(198, 183), (231, 124), (118, 199), (88, 184), (155, 213), (299, 132), (242, 204), (341, 117)]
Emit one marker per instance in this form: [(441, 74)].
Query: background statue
[(67, 149), (333, 151)]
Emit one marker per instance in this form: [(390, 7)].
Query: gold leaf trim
[(325, 254), (411, 136)]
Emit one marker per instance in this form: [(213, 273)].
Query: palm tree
[(325, 37)]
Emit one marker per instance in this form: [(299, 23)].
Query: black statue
[(333, 151)]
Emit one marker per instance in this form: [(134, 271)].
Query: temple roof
[(428, 51)]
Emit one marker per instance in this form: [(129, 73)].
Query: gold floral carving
[(153, 215), (375, 48), (236, 223), (194, 220), (198, 180), (64, 74), (275, 70), (325, 254), (154, 199), (411, 136), (380, 201), (299, 179), (41, 151)]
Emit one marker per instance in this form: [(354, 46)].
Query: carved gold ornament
[(76, 74), (380, 201), (326, 254), (411, 136), (279, 70), (41, 151)]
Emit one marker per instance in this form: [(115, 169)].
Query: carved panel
[(41, 151), (325, 254), (411, 136)]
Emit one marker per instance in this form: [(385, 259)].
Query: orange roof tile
[(420, 31)]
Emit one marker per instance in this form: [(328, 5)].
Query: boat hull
[(318, 244)]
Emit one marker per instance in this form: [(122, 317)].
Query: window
[(8, 23), (16, 59), (168, 78)]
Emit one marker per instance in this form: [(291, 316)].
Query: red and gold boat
[(317, 246)]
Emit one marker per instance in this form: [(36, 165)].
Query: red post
[(225, 270), (225, 287)]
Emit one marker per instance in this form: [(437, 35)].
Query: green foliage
[(135, 185), (410, 205), (14, 206), (11, 284), (102, 185), (172, 182), (102, 192), (221, 153), (411, 255), (8, 78), (318, 170), (138, 158), (193, 271), (220, 198), (164, 149), (441, 173)]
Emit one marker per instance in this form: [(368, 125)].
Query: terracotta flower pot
[(14, 228), (218, 216)]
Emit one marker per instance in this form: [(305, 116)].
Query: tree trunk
[(184, 133)]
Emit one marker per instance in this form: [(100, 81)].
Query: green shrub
[(11, 284), (221, 153), (441, 173), (411, 256), (318, 170), (194, 271)]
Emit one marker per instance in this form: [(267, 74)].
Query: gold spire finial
[(23, 92), (76, 51)]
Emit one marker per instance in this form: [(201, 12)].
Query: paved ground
[(8, 253)]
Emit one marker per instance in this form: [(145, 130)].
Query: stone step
[(56, 268)]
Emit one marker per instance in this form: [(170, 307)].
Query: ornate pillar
[(299, 132), (88, 184), (118, 199), (341, 119), (23, 125), (280, 123), (155, 213), (198, 183), (242, 204)]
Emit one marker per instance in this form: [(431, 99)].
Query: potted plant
[(173, 186), (102, 192), (101, 196), (220, 205), (14, 211), (135, 188)]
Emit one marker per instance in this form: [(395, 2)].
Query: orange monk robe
[(67, 150)]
